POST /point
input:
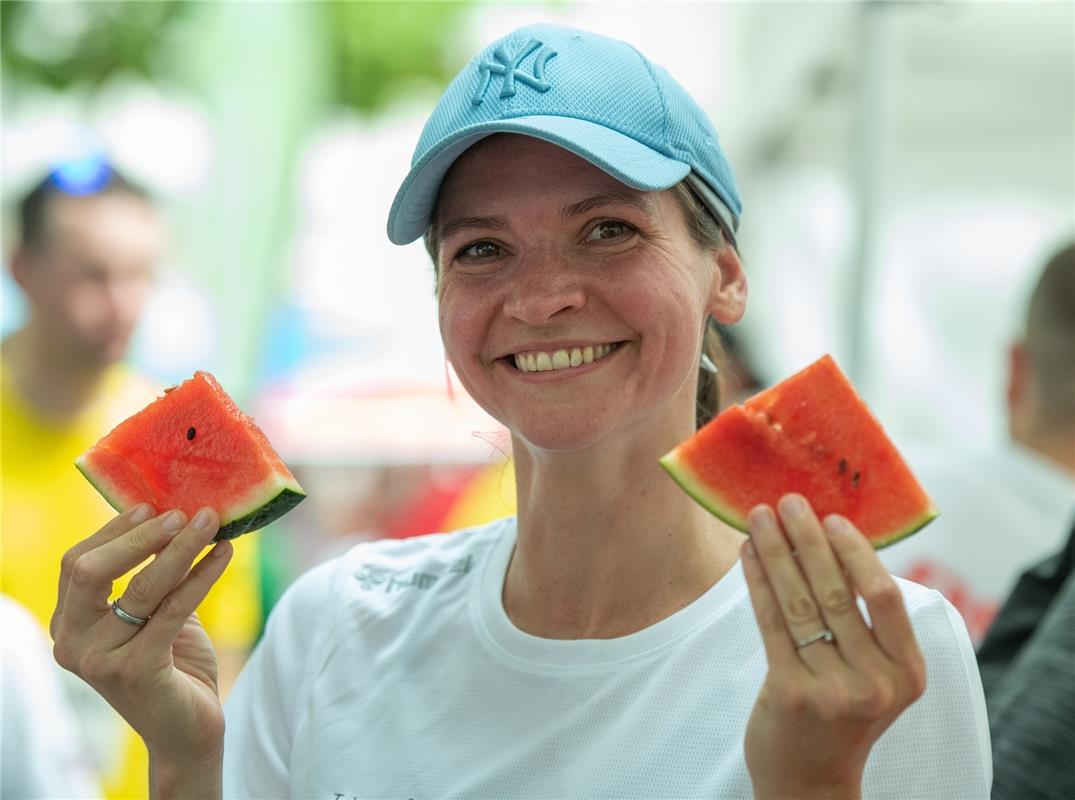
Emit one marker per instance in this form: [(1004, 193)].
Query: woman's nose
[(542, 292)]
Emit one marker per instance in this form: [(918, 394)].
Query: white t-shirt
[(394, 672), (43, 754), (1001, 511)]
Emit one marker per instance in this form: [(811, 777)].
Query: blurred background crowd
[(213, 181)]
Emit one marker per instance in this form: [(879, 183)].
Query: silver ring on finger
[(823, 635), (130, 619)]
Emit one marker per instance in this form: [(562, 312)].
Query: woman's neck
[(608, 544)]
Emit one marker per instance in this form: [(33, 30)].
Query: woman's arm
[(170, 778)]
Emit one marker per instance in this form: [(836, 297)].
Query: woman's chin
[(562, 438)]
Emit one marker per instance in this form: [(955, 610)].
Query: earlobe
[(728, 291)]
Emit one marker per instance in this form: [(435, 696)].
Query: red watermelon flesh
[(190, 448), (810, 434)]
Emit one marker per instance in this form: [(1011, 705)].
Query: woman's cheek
[(460, 329)]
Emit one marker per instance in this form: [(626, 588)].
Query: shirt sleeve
[(939, 747), (264, 710)]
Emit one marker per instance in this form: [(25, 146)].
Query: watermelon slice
[(193, 447), (810, 434)]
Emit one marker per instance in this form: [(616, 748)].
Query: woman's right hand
[(160, 676)]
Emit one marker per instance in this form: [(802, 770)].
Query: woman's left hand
[(835, 683)]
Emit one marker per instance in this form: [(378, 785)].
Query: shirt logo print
[(372, 577), (507, 66)]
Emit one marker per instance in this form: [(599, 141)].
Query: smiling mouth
[(549, 361)]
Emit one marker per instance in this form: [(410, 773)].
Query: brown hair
[(1050, 338), (34, 207), (708, 235)]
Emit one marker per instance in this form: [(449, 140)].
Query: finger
[(801, 613), (90, 581), (828, 584), (891, 626), (117, 526), (177, 607), (148, 588), (779, 648)]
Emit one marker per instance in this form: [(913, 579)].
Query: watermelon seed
[(190, 433), (843, 466), (855, 480)]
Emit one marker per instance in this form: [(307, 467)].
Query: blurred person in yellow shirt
[(86, 259)]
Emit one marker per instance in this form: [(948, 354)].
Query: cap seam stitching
[(664, 101)]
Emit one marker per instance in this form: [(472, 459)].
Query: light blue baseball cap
[(597, 97)]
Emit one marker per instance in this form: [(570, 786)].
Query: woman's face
[(572, 306)]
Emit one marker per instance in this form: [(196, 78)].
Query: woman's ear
[(20, 269), (728, 291)]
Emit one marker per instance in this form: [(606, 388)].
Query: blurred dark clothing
[(1027, 663)]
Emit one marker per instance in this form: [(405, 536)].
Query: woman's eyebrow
[(458, 223), (639, 200)]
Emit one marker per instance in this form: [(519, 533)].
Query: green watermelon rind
[(682, 474), (252, 516), (261, 516), (83, 467)]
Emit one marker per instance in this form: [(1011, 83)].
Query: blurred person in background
[(42, 754), (613, 638), (1027, 660), (975, 551), (86, 258), (1028, 673)]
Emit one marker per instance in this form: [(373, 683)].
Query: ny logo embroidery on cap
[(508, 67)]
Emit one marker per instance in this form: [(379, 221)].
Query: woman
[(581, 217)]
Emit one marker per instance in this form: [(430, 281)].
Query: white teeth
[(562, 359)]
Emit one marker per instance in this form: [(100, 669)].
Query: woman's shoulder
[(928, 608), (939, 628)]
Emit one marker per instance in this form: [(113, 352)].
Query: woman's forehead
[(509, 165)]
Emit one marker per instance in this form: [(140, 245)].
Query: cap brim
[(624, 158)]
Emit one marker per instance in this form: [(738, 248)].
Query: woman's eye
[(608, 229), (482, 249)]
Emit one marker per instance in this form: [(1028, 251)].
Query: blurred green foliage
[(375, 49), (66, 44), (382, 47)]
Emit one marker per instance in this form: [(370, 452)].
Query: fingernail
[(792, 505), (761, 515), (141, 513), (201, 520), (173, 521), (834, 525)]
